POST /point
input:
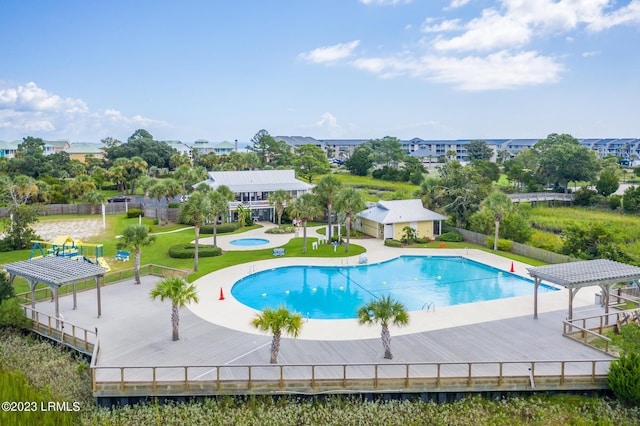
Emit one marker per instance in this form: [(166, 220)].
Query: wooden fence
[(517, 248), (350, 378)]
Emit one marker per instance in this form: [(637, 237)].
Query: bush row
[(221, 229), (187, 251)]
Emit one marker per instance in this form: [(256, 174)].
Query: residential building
[(387, 220), (81, 150), (251, 189)]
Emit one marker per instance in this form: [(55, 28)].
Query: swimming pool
[(249, 242), (419, 282)]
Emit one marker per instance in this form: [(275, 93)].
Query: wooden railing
[(540, 196), (113, 277), (591, 330), (350, 378), (71, 335)]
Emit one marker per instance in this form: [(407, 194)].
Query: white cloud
[(330, 53), (591, 53), (328, 120), (625, 15), (448, 25), (457, 3), (28, 108), (515, 23), (501, 70), (32, 98), (384, 2)]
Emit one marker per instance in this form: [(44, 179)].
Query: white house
[(387, 219), (252, 188)]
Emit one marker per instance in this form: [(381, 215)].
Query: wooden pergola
[(576, 275), (56, 271)]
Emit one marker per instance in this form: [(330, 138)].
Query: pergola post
[(535, 297), (32, 287), (75, 299), (55, 292), (97, 278)]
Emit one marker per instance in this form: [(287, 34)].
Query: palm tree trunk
[(175, 320), (495, 237), (304, 236), (136, 265), (346, 249), (386, 341), (329, 206), (215, 231), (195, 255), (275, 348)]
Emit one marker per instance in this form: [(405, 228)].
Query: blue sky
[(222, 70)]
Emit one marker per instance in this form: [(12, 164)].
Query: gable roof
[(400, 211), (257, 180)]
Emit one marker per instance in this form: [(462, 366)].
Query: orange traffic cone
[(221, 294), (512, 269)]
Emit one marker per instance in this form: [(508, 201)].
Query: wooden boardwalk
[(135, 331)]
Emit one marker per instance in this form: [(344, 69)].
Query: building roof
[(400, 211), (54, 270), (257, 181), (85, 148), (586, 273)]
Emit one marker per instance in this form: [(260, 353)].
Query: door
[(388, 230)]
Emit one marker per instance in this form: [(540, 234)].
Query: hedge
[(503, 245), (451, 236), (134, 213), (187, 251), (393, 243), (224, 228)]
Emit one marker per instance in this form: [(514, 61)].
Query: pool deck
[(136, 331)]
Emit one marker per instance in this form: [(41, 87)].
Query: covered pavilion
[(576, 275), (56, 271)]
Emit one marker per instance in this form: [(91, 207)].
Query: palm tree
[(195, 210), (327, 190), (219, 201), (171, 189), (134, 238), (279, 200), (156, 191), (384, 311), (349, 201), (180, 292), (499, 205), (278, 321), (306, 207), (93, 197)]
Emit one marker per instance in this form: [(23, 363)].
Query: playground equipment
[(64, 245)]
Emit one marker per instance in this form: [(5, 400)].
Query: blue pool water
[(329, 292), (249, 242)]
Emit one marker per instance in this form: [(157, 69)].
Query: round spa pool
[(245, 242)]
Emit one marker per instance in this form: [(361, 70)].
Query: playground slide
[(102, 262)]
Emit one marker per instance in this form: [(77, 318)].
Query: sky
[(330, 69)]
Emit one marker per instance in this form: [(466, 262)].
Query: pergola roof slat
[(586, 273), (55, 270)]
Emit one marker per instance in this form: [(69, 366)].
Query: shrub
[(451, 236), (187, 251), (284, 229), (174, 205), (624, 378), (424, 240), (503, 245), (393, 243), (224, 228), (156, 221), (546, 241), (12, 314), (134, 213), (614, 201)]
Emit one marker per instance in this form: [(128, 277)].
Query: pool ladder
[(429, 306)]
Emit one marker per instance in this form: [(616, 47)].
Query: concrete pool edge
[(234, 315)]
